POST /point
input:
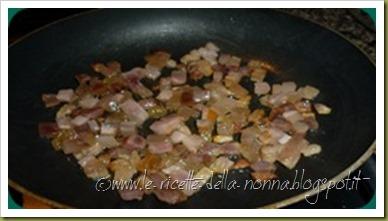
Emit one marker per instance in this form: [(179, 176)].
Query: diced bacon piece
[(91, 113), (131, 194), (291, 152), (178, 77), (221, 164), (177, 137), (152, 72), (65, 95), (158, 144), (88, 102), (167, 124), (127, 128), (48, 129), (134, 111), (108, 129), (94, 168), (79, 120), (201, 177), (50, 100), (311, 149), (322, 109), (107, 70), (165, 95), (263, 175), (263, 166), (134, 142), (73, 146), (193, 142), (93, 125), (308, 92), (292, 116), (132, 78), (262, 88), (107, 141)]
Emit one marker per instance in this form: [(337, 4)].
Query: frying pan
[(301, 51)]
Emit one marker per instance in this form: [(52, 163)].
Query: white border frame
[(378, 212)]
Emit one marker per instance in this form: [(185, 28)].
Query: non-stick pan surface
[(306, 53)]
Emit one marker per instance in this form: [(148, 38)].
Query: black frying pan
[(307, 53)]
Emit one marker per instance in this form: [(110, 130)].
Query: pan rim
[(279, 204)]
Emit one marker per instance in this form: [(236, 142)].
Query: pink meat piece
[(167, 124), (193, 142), (131, 194), (73, 146), (262, 88), (170, 196), (158, 144), (50, 100), (134, 142), (178, 77), (262, 165), (230, 148), (148, 103), (165, 193), (47, 129), (291, 152), (132, 78), (65, 95), (134, 111), (179, 175), (91, 113)]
